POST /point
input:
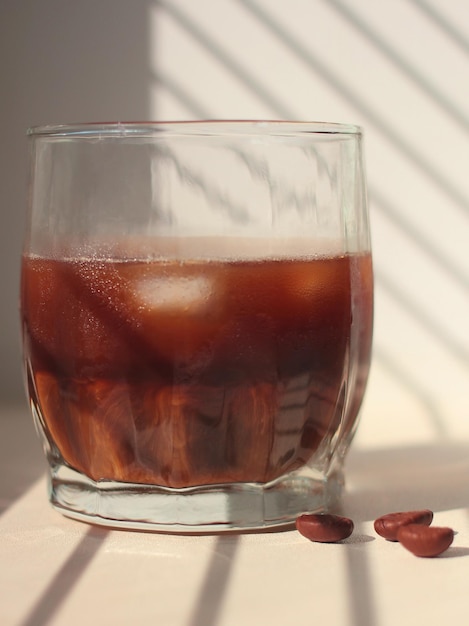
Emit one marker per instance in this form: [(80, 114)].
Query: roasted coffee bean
[(425, 540), (324, 527), (388, 525)]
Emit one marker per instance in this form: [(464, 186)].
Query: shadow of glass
[(433, 476)]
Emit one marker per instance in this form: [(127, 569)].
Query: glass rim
[(280, 128)]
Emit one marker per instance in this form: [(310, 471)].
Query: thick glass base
[(207, 509)]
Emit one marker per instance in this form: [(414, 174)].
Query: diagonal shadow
[(178, 92), (376, 197), (215, 196), (362, 607), (400, 62), (424, 320), (66, 578), (443, 24), (459, 198), (250, 82), (432, 475), (406, 381), (211, 596), (392, 289), (246, 78), (394, 370), (425, 245)]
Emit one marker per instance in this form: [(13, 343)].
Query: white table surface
[(57, 571)]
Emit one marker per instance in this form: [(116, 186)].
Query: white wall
[(398, 68), (401, 70)]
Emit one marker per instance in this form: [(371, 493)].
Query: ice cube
[(174, 293)]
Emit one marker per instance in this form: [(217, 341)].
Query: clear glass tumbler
[(196, 308)]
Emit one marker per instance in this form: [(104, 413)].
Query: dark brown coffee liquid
[(181, 373)]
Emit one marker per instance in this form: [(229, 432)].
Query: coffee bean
[(425, 540), (324, 527), (388, 525)]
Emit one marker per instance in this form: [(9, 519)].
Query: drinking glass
[(196, 308)]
